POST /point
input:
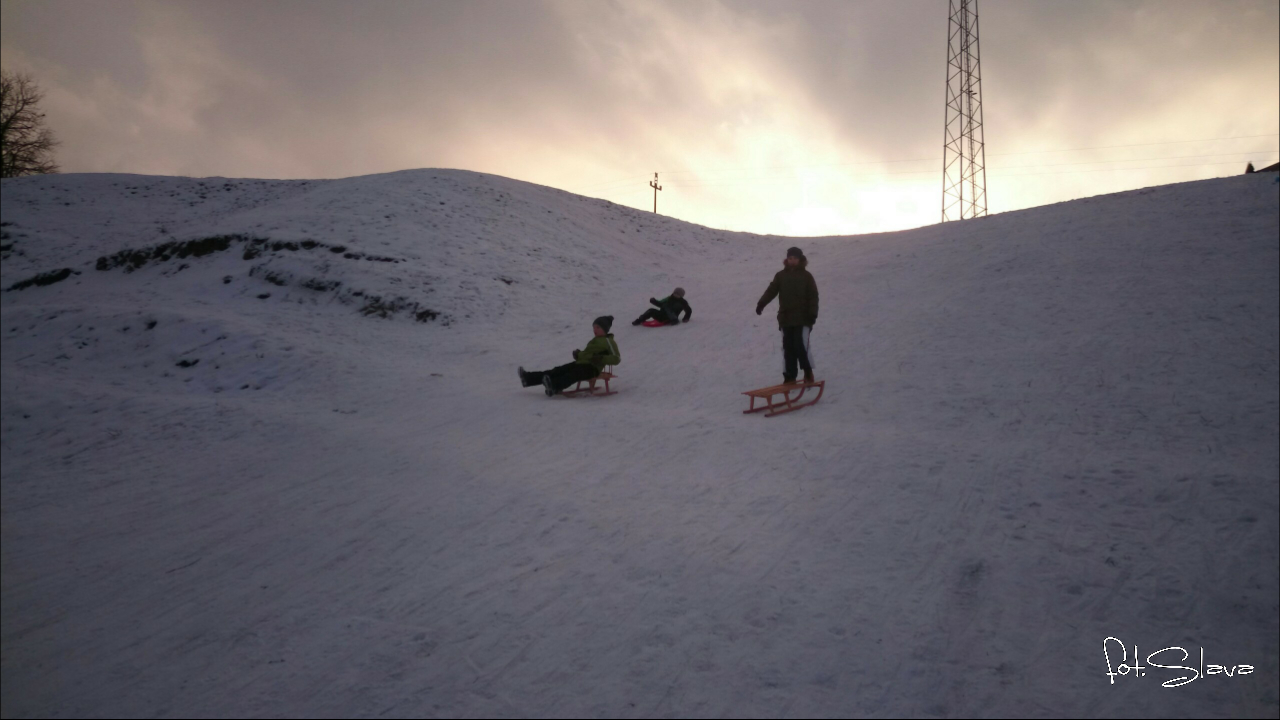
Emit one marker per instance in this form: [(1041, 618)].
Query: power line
[(936, 158), (1149, 167), (932, 172), (1033, 165), (1162, 157), (621, 183), (1017, 175), (1109, 147)]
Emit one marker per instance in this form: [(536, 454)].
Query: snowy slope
[(289, 470)]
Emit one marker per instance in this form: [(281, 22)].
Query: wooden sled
[(590, 385), (791, 395)]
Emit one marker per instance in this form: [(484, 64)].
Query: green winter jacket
[(599, 352), (797, 295)]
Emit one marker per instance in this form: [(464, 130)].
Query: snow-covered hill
[(265, 453)]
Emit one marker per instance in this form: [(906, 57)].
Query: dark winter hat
[(794, 252), (605, 322), (678, 292)]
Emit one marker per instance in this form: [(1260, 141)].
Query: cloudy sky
[(790, 117)]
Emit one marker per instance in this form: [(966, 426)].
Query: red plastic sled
[(653, 323)]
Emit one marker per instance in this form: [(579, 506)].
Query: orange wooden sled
[(591, 389), (788, 403)]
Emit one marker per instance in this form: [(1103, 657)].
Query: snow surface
[(232, 487)]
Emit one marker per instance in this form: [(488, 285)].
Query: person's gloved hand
[(575, 354), (759, 309)]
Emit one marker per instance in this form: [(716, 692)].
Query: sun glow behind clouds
[(796, 190), (759, 154), (780, 117), (779, 160)]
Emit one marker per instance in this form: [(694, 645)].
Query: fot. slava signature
[(1170, 658)]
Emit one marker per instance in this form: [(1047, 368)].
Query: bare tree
[(26, 145)]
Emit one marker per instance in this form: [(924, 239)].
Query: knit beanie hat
[(678, 292), (794, 252), (605, 322)]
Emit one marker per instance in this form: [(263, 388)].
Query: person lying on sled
[(667, 310), (587, 362)]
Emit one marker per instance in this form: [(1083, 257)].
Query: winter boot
[(547, 386), (788, 380), (520, 372), (808, 375), (637, 321)]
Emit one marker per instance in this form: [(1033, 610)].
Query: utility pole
[(656, 187), (964, 172)]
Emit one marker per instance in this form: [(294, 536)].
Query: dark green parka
[(797, 295)]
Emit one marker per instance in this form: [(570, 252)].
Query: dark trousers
[(562, 376), (794, 350), (654, 314)]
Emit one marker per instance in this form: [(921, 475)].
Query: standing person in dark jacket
[(797, 295), (587, 363), (667, 309)]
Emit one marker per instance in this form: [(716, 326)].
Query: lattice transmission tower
[(964, 173)]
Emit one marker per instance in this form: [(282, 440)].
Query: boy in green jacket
[(587, 362)]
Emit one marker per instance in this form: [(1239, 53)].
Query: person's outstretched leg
[(650, 314), (558, 378), (565, 375)]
